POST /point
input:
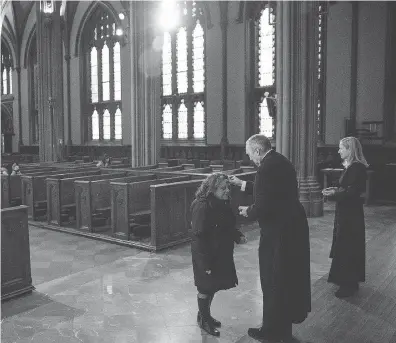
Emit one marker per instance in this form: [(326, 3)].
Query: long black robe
[(284, 251), (349, 246)]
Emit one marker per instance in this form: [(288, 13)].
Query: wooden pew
[(11, 186), (170, 213), (92, 200), (61, 197), (170, 210), (16, 277), (34, 191), (130, 201)]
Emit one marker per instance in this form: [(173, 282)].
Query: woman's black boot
[(203, 317), (215, 322)]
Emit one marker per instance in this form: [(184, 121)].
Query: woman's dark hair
[(209, 185)]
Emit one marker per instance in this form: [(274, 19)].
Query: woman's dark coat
[(284, 250), (213, 235), (349, 246)]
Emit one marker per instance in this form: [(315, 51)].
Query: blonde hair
[(260, 142), (209, 185), (356, 151)]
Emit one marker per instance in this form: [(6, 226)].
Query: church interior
[(114, 112)]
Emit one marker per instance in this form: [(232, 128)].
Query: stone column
[(223, 25), (50, 93), (145, 83), (296, 83), (20, 139)]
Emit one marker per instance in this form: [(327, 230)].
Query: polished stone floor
[(91, 291)]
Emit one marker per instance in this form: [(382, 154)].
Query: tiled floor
[(91, 291)]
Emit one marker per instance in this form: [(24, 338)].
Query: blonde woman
[(214, 233), (348, 248)]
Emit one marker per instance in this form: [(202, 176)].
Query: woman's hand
[(234, 180), (242, 240), (329, 191), (243, 211)]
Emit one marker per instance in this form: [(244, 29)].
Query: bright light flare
[(169, 15)]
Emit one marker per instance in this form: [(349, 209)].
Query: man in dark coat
[(284, 250)]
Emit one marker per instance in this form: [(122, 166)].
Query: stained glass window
[(167, 122), (182, 120), (6, 70), (106, 124), (95, 125), (198, 58), (117, 71), (199, 121), (117, 124), (266, 122), (102, 48), (183, 76), (321, 35), (167, 65), (181, 44), (265, 72)]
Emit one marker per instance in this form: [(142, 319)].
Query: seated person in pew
[(212, 248), (4, 171), (15, 169), (104, 162)]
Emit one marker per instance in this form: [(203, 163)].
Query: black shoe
[(208, 327), (215, 322), (204, 319), (261, 335), (345, 292)]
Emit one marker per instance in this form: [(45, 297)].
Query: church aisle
[(91, 291)]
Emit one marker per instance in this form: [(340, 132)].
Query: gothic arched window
[(6, 70), (102, 61), (183, 77), (264, 66), (321, 46)]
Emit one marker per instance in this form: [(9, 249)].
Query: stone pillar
[(296, 83), (50, 92), (145, 83), (20, 139), (69, 128), (223, 25)]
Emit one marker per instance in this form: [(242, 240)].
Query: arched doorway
[(7, 128)]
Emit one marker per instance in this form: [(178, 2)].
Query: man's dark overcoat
[(349, 244), (284, 250), (214, 233)]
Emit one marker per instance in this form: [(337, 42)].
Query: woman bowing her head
[(214, 233)]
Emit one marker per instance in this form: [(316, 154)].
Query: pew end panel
[(5, 191), (170, 213), (119, 210), (83, 205), (16, 276)]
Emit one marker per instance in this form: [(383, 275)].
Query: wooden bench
[(130, 202), (34, 190), (170, 213), (11, 190), (61, 196), (92, 200), (16, 277)]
